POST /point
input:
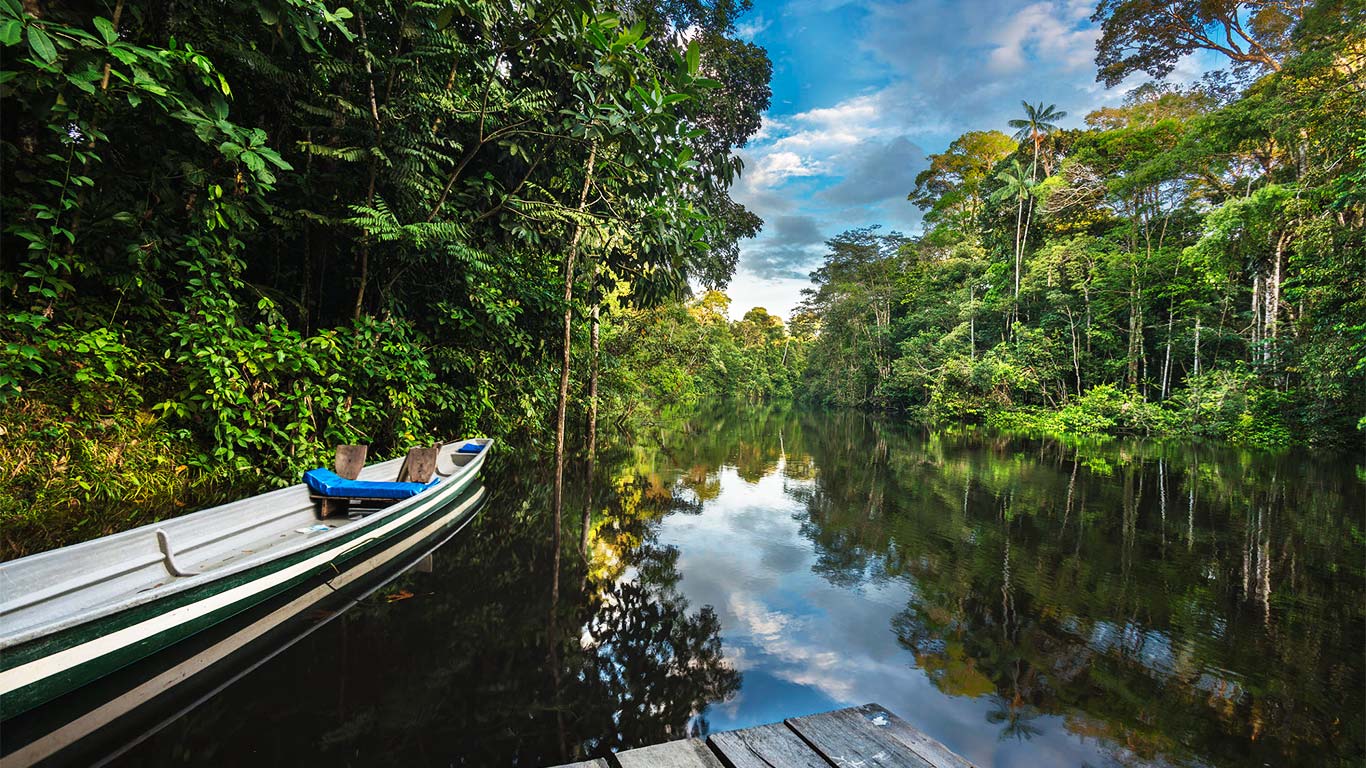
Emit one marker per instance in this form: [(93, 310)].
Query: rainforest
[(236, 235)]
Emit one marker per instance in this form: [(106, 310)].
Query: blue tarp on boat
[(325, 482)]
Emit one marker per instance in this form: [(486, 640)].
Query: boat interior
[(63, 587)]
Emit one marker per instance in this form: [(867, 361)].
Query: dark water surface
[(1026, 602)]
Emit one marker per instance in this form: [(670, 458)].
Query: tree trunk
[(1197, 346), (1076, 351), (1135, 332), (1019, 257), (1167, 359), (1253, 352), (1019, 217), (370, 193), (1273, 313), (972, 322), (1086, 294), (562, 406), (594, 344)]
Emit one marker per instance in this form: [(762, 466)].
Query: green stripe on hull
[(59, 683)]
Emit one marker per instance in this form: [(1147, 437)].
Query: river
[(1025, 601)]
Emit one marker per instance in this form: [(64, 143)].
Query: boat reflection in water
[(101, 721)]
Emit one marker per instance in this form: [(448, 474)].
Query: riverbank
[(1227, 410), (105, 462)]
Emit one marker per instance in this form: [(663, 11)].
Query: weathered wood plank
[(328, 507), (764, 747), (419, 465), (686, 753), (350, 460), (935, 753), (599, 763), (847, 737)]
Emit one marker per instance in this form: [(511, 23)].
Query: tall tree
[(1037, 125), (950, 190), (1152, 35), (1018, 184)]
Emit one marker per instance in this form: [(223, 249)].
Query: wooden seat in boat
[(338, 491)]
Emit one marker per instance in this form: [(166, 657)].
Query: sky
[(864, 91)]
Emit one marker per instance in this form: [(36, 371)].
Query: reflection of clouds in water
[(805, 644), (762, 624)]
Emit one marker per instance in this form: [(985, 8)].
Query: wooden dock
[(859, 737)]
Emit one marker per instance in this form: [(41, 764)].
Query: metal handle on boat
[(168, 556)]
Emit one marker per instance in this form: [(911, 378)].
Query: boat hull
[(98, 722), (52, 665)]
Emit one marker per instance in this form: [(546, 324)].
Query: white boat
[(72, 615)]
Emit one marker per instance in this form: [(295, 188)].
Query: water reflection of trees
[(1170, 601), (648, 666)]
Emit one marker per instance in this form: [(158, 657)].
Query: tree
[(1037, 124), (951, 188), (1018, 184), (855, 294), (1152, 35)]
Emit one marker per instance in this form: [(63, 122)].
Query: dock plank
[(917, 740), (764, 747), (685, 753), (598, 763), (848, 737)]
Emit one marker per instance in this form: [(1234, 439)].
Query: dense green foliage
[(257, 230), (666, 361), (1193, 263)]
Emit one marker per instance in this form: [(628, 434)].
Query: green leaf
[(106, 30), (7, 75), (41, 44), (11, 31), (79, 82), (693, 57), (274, 158), (253, 161)]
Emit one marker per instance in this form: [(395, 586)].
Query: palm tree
[(1018, 184), (1036, 126)]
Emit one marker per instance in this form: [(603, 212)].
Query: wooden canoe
[(72, 615)]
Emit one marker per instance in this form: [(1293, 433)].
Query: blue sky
[(862, 92)]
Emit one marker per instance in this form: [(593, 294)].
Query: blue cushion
[(470, 448), (325, 482)]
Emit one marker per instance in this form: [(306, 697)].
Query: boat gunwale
[(452, 520), (450, 485)]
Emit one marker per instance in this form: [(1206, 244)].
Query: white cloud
[(815, 173), (773, 168), (750, 29), (778, 295), (1048, 31)]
